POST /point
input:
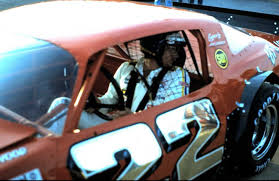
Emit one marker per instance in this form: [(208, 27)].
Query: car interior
[(56, 79), (195, 61)]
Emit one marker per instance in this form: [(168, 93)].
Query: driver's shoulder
[(126, 65), (177, 69)]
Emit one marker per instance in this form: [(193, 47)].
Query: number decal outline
[(173, 131), (141, 159)]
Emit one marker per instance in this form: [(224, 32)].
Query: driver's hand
[(116, 114), (91, 109), (98, 100)]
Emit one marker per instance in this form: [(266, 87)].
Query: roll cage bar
[(202, 47)]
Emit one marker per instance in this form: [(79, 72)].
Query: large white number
[(173, 126), (97, 154)]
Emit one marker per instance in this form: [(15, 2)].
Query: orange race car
[(58, 58)]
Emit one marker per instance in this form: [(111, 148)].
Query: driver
[(164, 57), (156, 78)]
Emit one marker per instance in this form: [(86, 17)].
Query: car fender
[(250, 90)]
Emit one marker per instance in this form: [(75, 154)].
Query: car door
[(179, 139)]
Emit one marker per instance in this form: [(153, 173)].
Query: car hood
[(12, 133)]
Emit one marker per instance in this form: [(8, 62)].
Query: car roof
[(85, 27)]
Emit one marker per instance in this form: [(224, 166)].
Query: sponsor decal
[(13, 154), (212, 38), (270, 52), (34, 174), (217, 43), (277, 44), (221, 59)]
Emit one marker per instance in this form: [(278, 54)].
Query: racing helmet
[(154, 46)]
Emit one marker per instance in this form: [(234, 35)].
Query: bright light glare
[(79, 96), (97, 154), (173, 122), (76, 131), (11, 42)]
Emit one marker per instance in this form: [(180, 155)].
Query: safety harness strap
[(131, 88), (152, 91)]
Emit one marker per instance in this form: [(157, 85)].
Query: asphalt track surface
[(271, 172), (271, 7)]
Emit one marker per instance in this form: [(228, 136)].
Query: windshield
[(33, 73)]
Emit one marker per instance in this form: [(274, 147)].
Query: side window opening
[(201, 75), (129, 53)]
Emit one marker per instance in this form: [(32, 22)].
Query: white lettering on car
[(34, 174), (270, 52), (13, 154), (262, 166), (217, 43), (213, 37), (266, 103)]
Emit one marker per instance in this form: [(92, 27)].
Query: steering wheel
[(92, 101)]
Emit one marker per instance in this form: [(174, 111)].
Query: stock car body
[(229, 119)]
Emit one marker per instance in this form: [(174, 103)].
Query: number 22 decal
[(173, 127), (138, 146)]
